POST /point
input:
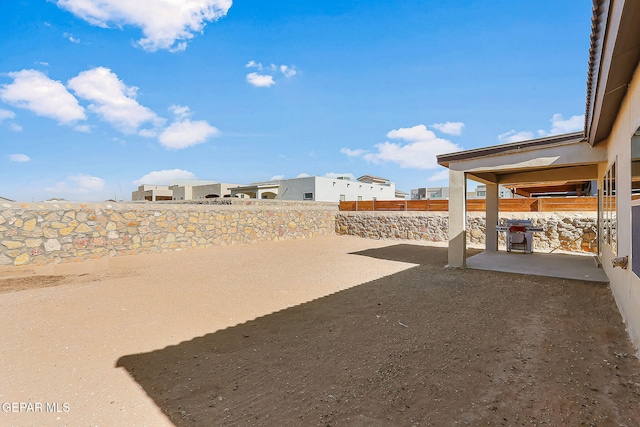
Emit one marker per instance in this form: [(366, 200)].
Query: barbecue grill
[(519, 234)]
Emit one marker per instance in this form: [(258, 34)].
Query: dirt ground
[(258, 343)]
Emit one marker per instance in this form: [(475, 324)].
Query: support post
[(491, 217), (457, 219)]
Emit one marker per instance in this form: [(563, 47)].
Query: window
[(481, 193), (308, 196), (635, 202), (609, 208), (359, 198), (342, 198)]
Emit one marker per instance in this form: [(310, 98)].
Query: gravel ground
[(278, 334)]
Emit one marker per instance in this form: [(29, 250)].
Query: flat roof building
[(323, 189)]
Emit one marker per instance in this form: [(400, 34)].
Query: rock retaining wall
[(62, 232), (569, 231)]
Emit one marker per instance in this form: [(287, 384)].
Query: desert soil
[(331, 331)]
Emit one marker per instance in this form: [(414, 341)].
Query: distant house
[(443, 193), (183, 190), (481, 192), (401, 194), (152, 193), (425, 193), (202, 191), (323, 189)]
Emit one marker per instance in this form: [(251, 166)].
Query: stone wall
[(569, 231), (61, 232)]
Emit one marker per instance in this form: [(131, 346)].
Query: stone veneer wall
[(569, 231), (42, 233)]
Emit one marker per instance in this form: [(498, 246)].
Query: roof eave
[(613, 59), (446, 159)]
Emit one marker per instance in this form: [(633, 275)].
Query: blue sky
[(98, 96)]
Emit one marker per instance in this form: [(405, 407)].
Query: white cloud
[(450, 128), (260, 80), (82, 128), (79, 184), (266, 76), (303, 175), (514, 136), (415, 133), (254, 64), (185, 133), (288, 71), (112, 100), (337, 175), (353, 153), (559, 125), (34, 91), (70, 37), (19, 158), (180, 111), (443, 175), (15, 127), (419, 153), (6, 114), (149, 133), (163, 177), (166, 24), (277, 178)]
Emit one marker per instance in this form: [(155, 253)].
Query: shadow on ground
[(414, 254), (425, 346)]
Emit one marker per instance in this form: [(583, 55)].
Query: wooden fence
[(532, 204)]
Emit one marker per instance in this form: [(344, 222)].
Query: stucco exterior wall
[(568, 231), (54, 233), (625, 285), (329, 189)]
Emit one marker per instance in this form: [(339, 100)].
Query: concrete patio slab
[(564, 266)]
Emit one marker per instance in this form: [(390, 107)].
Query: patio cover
[(560, 158)]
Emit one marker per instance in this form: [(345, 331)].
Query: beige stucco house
[(323, 189), (608, 150), (152, 193), (183, 190)]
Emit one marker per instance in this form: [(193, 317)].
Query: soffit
[(614, 57)]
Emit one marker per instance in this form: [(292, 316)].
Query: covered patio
[(564, 159), (563, 266)]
